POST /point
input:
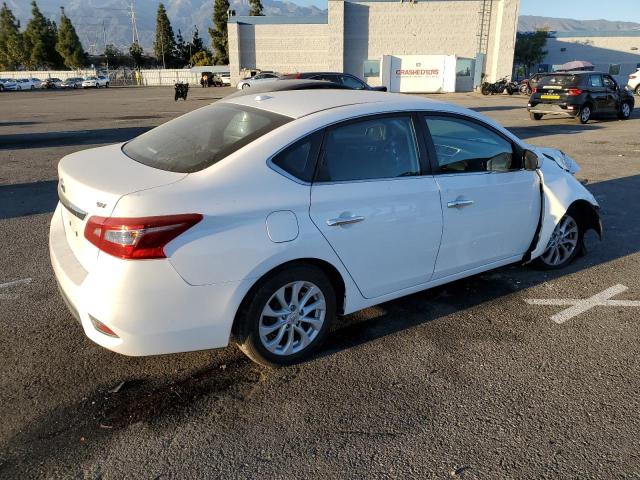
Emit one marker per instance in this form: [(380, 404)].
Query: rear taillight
[(535, 90), (298, 76), (137, 238), (574, 92)]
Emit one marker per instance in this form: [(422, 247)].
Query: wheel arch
[(334, 275), (587, 215)]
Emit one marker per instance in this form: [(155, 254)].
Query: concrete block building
[(355, 35), (617, 53)]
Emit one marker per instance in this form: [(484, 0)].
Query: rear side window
[(351, 82), (595, 81), (463, 146), (382, 147), (299, 159), (560, 80), (201, 138)]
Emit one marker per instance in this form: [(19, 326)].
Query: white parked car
[(634, 82), (8, 84), (95, 82), (25, 84), (256, 79), (261, 218), (226, 78)]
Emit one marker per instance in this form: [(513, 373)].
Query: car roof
[(299, 103)]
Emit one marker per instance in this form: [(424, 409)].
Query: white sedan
[(261, 218), (25, 84), (96, 82), (257, 79)]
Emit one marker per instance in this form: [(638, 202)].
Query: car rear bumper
[(555, 109), (151, 309)]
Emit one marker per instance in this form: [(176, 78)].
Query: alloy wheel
[(563, 242), (585, 114), (292, 318), (626, 110)]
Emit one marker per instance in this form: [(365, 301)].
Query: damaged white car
[(261, 218)]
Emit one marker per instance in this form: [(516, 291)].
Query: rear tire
[(485, 90), (245, 85), (585, 114), (624, 113), (273, 326), (535, 116)]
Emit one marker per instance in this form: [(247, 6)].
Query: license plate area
[(549, 96)]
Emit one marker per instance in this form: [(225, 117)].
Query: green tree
[(68, 44), (164, 45), (219, 34), (136, 52), (40, 39), (112, 55), (10, 39), (255, 9), (201, 58), (197, 44), (529, 48), (183, 50)]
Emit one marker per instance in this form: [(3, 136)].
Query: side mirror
[(531, 160)]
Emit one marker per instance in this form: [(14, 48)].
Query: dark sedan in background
[(345, 79)]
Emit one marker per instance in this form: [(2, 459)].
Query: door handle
[(459, 203), (335, 222)]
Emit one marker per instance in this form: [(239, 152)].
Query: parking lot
[(473, 379)]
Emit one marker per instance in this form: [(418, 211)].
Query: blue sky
[(622, 10)]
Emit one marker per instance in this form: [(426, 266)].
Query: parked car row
[(10, 84)]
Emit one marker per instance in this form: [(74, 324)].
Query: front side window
[(201, 138), (609, 82), (464, 146), (351, 82), (375, 148)]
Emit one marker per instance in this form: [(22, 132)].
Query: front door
[(491, 206), (372, 203)]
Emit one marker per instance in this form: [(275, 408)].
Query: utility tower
[(134, 26)]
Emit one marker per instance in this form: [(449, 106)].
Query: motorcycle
[(498, 87), (181, 91), (525, 87)]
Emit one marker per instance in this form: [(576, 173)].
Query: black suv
[(580, 95), (345, 79)]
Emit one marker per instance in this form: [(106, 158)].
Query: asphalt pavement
[(470, 380)]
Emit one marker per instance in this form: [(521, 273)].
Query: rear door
[(490, 205), (598, 92), (376, 204)]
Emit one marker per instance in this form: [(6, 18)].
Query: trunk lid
[(91, 182)]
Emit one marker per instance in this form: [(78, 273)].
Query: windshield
[(201, 138), (560, 80)]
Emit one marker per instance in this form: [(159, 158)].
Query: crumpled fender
[(560, 189)]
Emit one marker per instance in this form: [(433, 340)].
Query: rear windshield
[(201, 138), (560, 80)]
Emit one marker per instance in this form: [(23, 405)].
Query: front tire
[(624, 113), (287, 316), (566, 242), (245, 85)]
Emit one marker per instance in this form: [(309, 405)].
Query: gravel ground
[(461, 381)]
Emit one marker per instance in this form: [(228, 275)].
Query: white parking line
[(602, 299), (12, 296)]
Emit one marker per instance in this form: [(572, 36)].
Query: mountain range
[(99, 22), (530, 23)]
